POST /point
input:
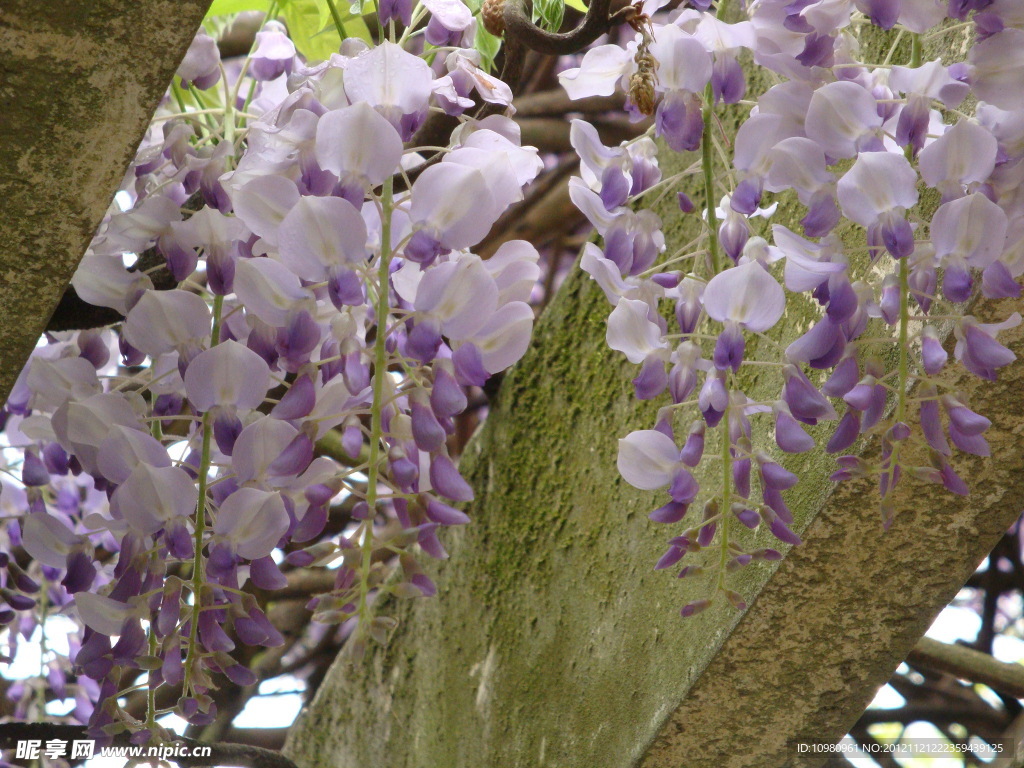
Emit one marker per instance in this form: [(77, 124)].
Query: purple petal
[(297, 402), (782, 532), (294, 459), (672, 512), (447, 481), (790, 436), (845, 433), (444, 514), (652, 379), (266, 575)]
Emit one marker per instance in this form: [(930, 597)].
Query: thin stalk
[(200, 522), (708, 164), (726, 497), (904, 366), (904, 345), (338, 23), (376, 409), (151, 689)]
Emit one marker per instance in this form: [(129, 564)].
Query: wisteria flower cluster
[(910, 203), (322, 319), (303, 314)]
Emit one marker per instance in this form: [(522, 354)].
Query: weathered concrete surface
[(79, 80)]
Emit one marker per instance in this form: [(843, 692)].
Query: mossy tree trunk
[(79, 81)]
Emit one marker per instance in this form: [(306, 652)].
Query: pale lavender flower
[(251, 522), (201, 65), (968, 233), (321, 237), (601, 69), (394, 82), (965, 154), (875, 193), (995, 65), (632, 331), (745, 295), (153, 497), (359, 146), (274, 54), (843, 120), (977, 347), (649, 459)]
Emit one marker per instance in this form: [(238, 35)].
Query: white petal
[(878, 182), (746, 294), (965, 153), (103, 614), (47, 539), (163, 320), (505, 337), (971, 228), (839, 115), (253, 520), (321, 232), (996, 66), (598, 73), (263, 203), (647, 459), (268, 289), (630, 332), (389, 76), (357, 142), (151, 496), (462, 294), (228, 374), (514, 269)]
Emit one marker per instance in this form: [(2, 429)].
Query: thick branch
[(599, 19), (83, 78), (970, 665), (556, 102)]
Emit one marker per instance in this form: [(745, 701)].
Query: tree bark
[(79, 81)]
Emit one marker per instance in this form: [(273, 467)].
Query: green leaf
[(579, 5), (355, 26), (312, 28), (224, 7), (488, 45), (353, 23), (303, 20), (550, 13)]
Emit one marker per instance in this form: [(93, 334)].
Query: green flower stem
[(726, 497), (708, 164), (200, 521), (338, 23), (150, 690), (903, 371), (903, 375), (376, 409)]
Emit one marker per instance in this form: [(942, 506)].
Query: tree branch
[(969, 664), (599, 19)]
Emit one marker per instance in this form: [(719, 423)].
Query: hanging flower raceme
[(310, 346), (857, 142)]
